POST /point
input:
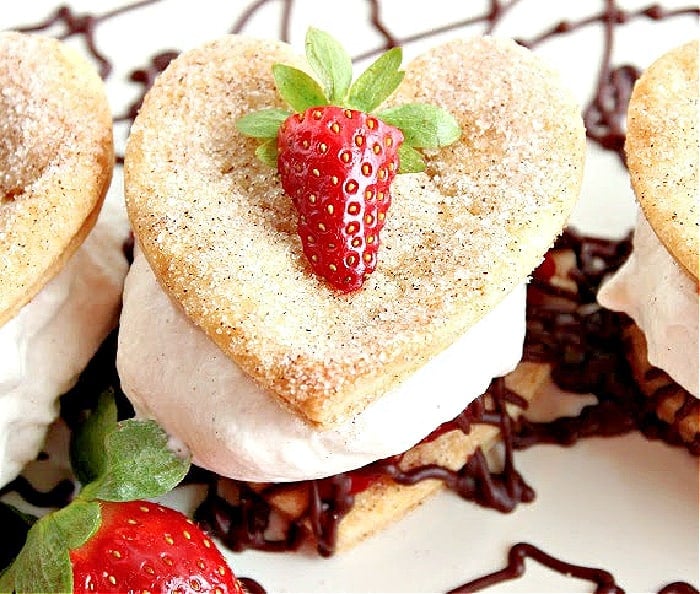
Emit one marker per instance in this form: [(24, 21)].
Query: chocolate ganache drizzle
[(245, 521), (517, 555), (603, 581), (586, 345), (72, 24), (604, 115)]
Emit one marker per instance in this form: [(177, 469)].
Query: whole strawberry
[(144, 547), (337, 159), (337, 165), (110, 540)]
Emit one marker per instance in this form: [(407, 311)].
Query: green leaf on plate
[(297, 88), (330, 62), (139, 464), (262, 124), (44, 565), (423, 125), (410, 160), (87, 450), (376, 83)]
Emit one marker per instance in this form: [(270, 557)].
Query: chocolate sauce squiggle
[(84, 25), (245, 523), (605, 115), (59, 495), (375, 9), (588, 348), (584, 368), (475, 482), (604, 581), (678, 588), (145, 77)]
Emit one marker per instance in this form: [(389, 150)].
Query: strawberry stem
[(423, 125)]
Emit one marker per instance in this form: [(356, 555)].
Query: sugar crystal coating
[(218, 230), (663, 151), (56, 160)]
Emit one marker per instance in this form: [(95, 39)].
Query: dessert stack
[(231, 338)]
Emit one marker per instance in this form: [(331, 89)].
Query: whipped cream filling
[(663, 300), (47, 344), (174, 374)]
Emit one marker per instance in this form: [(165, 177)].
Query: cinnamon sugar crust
[(56, 160), (219, 233), (663, 151)]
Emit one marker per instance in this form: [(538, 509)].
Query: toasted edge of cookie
[(44, 222), (663, 151), (219, 233)]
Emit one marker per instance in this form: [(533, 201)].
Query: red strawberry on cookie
[(337, 166), (337, 158), (144, 547)]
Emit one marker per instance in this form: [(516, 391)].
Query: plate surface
[(627, 505)]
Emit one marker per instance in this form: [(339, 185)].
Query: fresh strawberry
[(109, 539), (337, 165), (145, 547), (337, 159)]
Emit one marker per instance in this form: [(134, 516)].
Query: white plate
[(625, 504)]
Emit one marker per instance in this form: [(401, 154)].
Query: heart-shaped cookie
[(219, 233), (56, 160), (662, 147), (658, 284)]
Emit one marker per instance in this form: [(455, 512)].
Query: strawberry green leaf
[(330, 62), (268, 152), (87, 443), (139, 464), (410, 160), (298, 88), (44, 565), (376, 83), (423, 125), (262, 124)]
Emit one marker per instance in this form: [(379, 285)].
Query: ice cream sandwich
[(658, 285), (257, 366), (61, 271)]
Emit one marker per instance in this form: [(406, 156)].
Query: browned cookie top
[(663, 151), (219, 233), (56, 160)]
